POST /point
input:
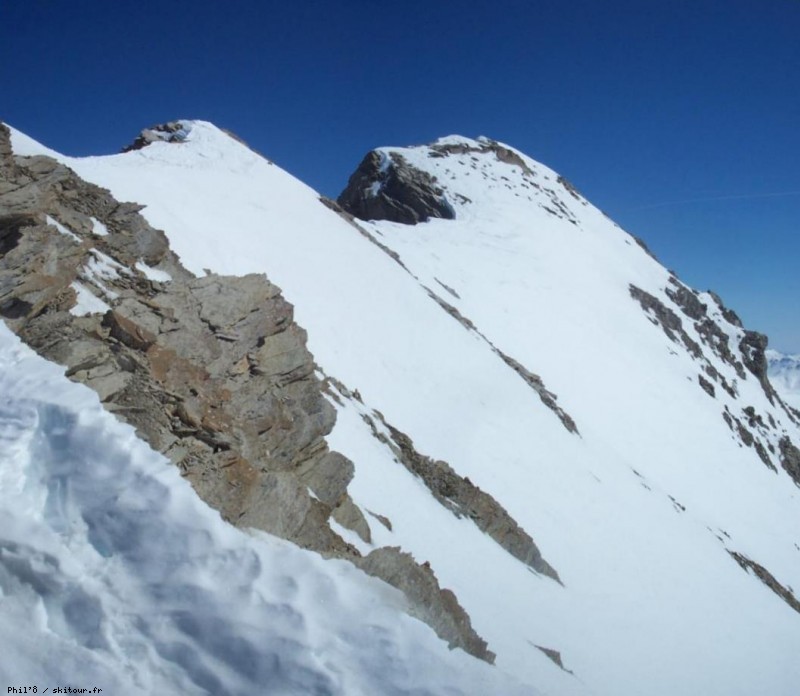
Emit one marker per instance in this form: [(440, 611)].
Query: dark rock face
[(387, 187), (708, 388), (753, 347), (767, 578), (687, 300), (666, 318)]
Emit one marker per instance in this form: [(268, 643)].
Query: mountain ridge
[(436, 342)]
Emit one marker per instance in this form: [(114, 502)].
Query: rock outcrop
[(462, 497), (172, 132), (785, 593), (213, 372), (387, 187)]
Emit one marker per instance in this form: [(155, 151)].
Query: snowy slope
[(784, 372), (114, 575), (637, 513)]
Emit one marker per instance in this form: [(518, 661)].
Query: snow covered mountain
[(784, 373), (584, 451)]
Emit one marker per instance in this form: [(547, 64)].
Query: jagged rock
[(667, 319), (767, 578), (349, 515), (464, 498), (213, 372), (714, 337), (712, 372), (555, 656), (437, 607), (746, 436), (487, 145), (687, 300), (387, 187)]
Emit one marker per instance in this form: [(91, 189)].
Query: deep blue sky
[(679, 119)]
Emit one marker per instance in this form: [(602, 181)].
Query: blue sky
[(679, 119)]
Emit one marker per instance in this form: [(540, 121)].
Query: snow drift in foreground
[(113, 574)]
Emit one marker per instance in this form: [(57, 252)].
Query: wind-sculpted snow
[(113, 574), (684, 460)]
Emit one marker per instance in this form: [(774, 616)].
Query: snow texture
[(113, 574)]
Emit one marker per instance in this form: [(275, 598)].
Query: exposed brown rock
[(464, 498), (213, 372)]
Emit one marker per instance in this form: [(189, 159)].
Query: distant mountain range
[(458, 393), (784, 373)]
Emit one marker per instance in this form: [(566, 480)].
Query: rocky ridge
[(727, 354), (719, 330), (213, 372)]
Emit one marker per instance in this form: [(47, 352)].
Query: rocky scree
[(213, 372)]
